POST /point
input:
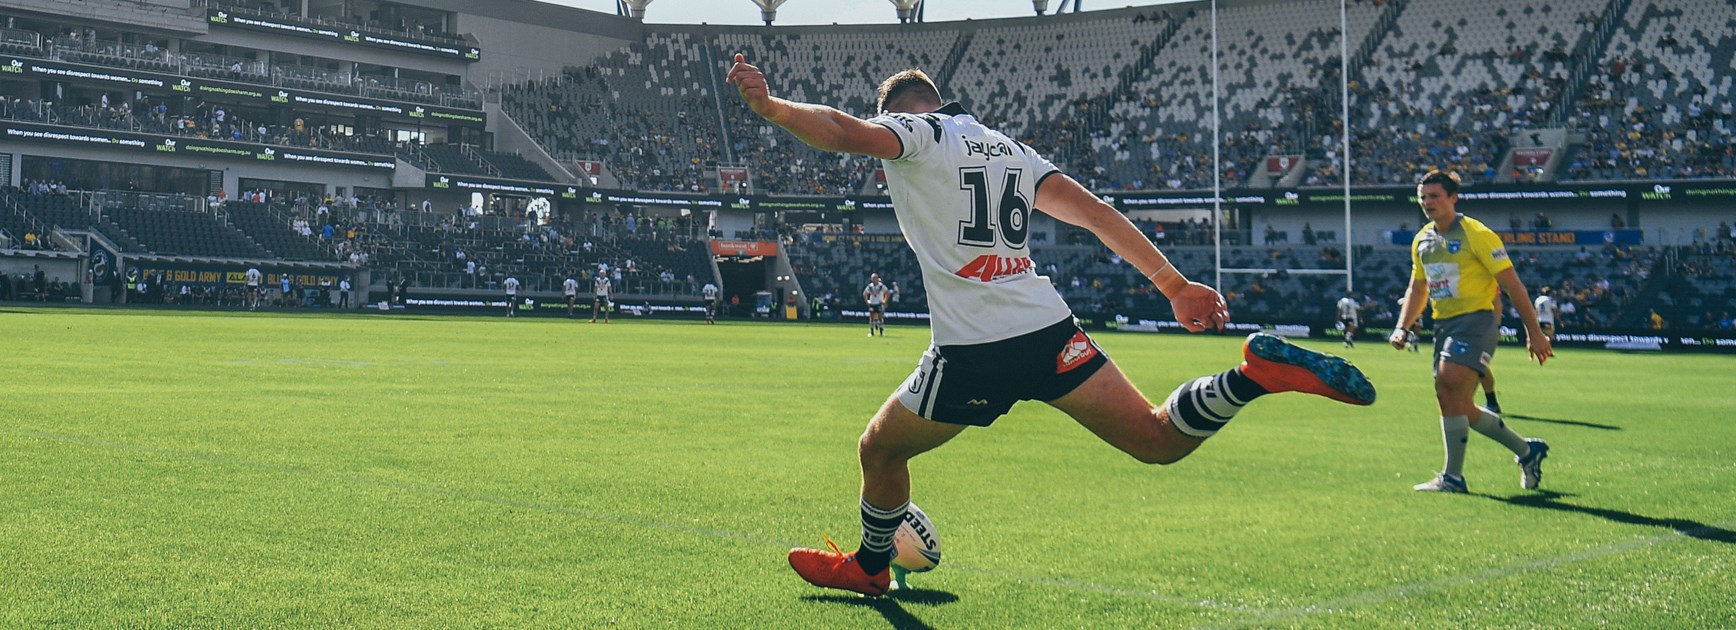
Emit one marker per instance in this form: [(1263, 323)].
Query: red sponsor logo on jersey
[(1079, 349), (991, 267)]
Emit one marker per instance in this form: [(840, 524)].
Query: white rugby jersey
[(1545, 306), (570, 287), (601, 285), (511, 285), (964, 194), (1347, 308), (253, 277), (876, 292)]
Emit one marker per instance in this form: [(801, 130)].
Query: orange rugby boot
[(835, 569), (1280, 366)]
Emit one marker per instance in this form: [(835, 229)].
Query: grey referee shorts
[(1467, 340)]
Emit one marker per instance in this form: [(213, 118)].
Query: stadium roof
[(810, 12)]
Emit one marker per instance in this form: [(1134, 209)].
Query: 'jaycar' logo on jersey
[(1453, 246), (986, 149)]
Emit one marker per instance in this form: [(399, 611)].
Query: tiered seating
[(843, 70), (258, 221), (1273, 61), (1658, 106), (1065, 80), (515, 166), (1448, 83), (185, 233), (568, 115), (839, 267), (541, 257), (1703, 294), (63, 211)]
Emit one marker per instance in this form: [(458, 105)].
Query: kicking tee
[(963, 194)]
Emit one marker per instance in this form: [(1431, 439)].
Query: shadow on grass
[(1551, 501), (892, 605), (1589, 425)]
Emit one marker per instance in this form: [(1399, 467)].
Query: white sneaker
[(1531, 465), (1443, 483)]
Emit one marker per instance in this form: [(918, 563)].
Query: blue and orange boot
[(1280, 366)]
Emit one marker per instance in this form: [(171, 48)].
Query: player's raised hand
[(1198, 307), (751, 83)]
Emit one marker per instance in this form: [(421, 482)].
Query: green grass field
[(245, 470)]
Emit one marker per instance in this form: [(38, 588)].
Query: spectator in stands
[(1616, 222)]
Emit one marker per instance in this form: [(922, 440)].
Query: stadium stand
[(1657, 107), (835, 268), (648, 109), (269, 226), (844, 67), (1119, 98), (179, 231)]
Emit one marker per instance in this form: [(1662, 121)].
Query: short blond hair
[(910, 82)]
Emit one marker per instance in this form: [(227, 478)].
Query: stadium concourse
[(454, 146)]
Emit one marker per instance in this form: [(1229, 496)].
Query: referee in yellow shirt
[(1458, 262)]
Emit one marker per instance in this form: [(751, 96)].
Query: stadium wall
[(526, 40)]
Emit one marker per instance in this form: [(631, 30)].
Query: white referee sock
[(1455, 431)]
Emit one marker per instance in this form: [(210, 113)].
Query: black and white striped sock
[(878, 527), (1201, 407)]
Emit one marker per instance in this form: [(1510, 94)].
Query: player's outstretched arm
[(1536, 343), (822, 127), (1197, 306)]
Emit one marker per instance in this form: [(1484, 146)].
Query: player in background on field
[(600, 296), (570, 290), (876, 294), (511, 296), (710, 293), (1547, 312), (1457, 264), (963, 194), (254, 278), (1487, 380), (1348, 312)]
